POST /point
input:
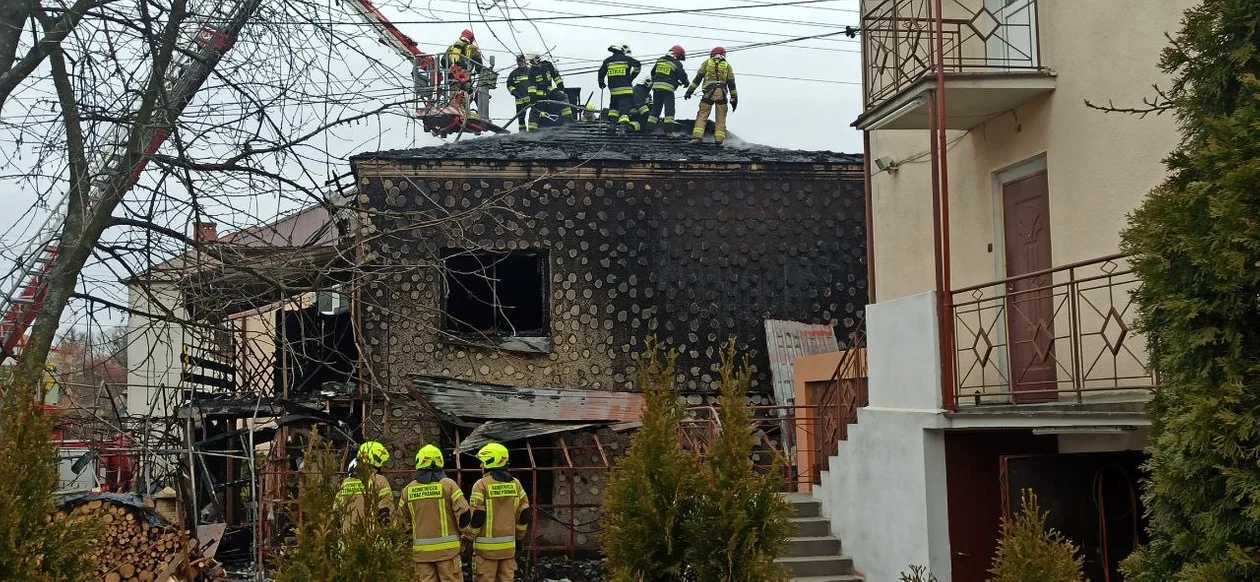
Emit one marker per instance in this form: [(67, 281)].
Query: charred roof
[(593, 141)]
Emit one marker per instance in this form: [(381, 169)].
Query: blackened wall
[(694, 254)]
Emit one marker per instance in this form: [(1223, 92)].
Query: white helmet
[(531, 58), (619, 48)]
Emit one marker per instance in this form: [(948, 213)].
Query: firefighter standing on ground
[(716, 80), (500, 517), (667, 76), (617, 75), (518, 84), (545, 80), (365, 486), (434, 508), (462, 60)]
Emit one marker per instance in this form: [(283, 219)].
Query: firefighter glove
[(734, 103), (602, 84), (383, 515), (690, 92)]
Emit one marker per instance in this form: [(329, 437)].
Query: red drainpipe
[(870, 221), (945, 300)]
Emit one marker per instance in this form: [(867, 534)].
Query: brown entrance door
[(1029, 301)]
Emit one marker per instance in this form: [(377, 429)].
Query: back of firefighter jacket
[(519, 81), (503, 502), (668, 74), (433, 510), (355, 497), (619, 70)]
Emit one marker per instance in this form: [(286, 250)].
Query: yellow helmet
[(374, 454), (429, 457), (493, 456)]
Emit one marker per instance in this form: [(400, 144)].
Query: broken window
[(495, 294)]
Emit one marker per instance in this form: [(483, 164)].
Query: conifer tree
[(648, 499), (33, 546), (741, 522), (1196, 246), (1029, 552)]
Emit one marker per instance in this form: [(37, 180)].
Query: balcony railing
[(978, 36), (1054, 335)]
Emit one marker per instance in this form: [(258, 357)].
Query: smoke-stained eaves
[(592, 141)]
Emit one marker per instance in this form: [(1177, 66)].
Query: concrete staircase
[(813, 554)]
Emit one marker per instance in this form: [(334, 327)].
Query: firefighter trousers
[(713, 100), (522, 114), (444, 571), (620, 108), (485, 570), (662, 104)]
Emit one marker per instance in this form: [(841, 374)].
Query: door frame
[(1012, 173)]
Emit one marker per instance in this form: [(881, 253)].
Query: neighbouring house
[(1002, 352)]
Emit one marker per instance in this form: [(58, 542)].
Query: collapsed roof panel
[(788, 340), (465, 399)]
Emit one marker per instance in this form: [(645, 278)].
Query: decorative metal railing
[(977, 36), (1062, 333)]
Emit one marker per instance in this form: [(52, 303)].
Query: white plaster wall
[(885, 492), (904, 353), (153, 347), (1134, 440), (1099, 165)]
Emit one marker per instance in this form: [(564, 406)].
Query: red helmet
[(467, 35), (678, 53), (717, 51)]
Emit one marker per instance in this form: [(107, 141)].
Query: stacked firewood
[(132, 550)]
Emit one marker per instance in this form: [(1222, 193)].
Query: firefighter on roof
[(518, 84), (365, 486), (462, 60), (545, 80), (716, 81), (617, 75), (500, 517), (435, 510), (667, 76)]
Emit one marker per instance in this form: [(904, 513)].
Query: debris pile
[(138, 546)]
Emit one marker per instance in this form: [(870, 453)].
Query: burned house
[(511, 265)]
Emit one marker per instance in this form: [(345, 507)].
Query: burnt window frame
[(492, 258)]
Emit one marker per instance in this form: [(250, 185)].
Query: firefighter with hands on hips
[(716, 81), (500, 517)]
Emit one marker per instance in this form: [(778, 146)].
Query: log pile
[(132, 550)]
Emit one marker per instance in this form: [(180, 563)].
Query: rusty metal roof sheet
[(465, 399), (788, 340), (505, 431)]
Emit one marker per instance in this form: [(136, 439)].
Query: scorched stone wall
[(694, 254)]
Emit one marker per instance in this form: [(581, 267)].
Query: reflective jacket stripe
[(659, 86), (499, 543), (435, 544)]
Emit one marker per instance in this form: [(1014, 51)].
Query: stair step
[(812, 546), (818, 565), (812, 526), (841, 578), (806, 508)]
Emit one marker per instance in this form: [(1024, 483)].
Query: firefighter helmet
[(493, 456), (467, 35), (717, 52), (678, 52), (429, 457), (374, 454), (619, 48)]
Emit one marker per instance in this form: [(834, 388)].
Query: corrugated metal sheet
[(506, 431), (788, 340), (464, 399)]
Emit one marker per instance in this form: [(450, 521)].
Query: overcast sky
[(799, 95)]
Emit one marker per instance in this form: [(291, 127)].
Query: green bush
[(1028, 552), (741, 521), (917, 574), (1196, 247), (33, 545), (324, 549), (649, 493), (670, 515)]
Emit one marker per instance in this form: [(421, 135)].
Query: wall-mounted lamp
[(886, 164)]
